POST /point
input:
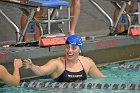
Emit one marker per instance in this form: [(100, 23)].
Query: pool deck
[(91, 22)]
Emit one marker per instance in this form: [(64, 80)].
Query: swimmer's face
[(72, 51)]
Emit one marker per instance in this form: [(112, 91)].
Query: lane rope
[(79, 85), (133, 66)]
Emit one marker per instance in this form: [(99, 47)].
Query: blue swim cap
[(75, 40)]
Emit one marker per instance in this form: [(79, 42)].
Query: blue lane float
[(79, 85)]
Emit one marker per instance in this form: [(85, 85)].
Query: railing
[(113, 25)]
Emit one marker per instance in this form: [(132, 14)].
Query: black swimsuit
[(68, 76)]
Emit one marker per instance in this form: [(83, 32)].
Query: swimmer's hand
[(27, 63), (18, 63)]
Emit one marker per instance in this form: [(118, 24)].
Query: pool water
[(127, 72)]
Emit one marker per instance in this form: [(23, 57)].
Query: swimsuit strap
[(65, 64), (81, 64)]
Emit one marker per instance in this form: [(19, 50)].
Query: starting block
[(52, 40), (134, 31)]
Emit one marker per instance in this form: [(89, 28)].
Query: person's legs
[(38, 15), (22, 23), (75, 11), (129, 8), (119, 26), (37, 33), (123, 22)]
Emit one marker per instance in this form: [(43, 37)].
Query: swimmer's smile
[(70, 54)]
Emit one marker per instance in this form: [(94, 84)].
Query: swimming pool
[(125, 73)]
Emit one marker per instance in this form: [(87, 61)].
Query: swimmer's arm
[(46, 69), (9, 79), (94, 71)]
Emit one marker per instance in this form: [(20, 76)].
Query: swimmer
[(69, 68)]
